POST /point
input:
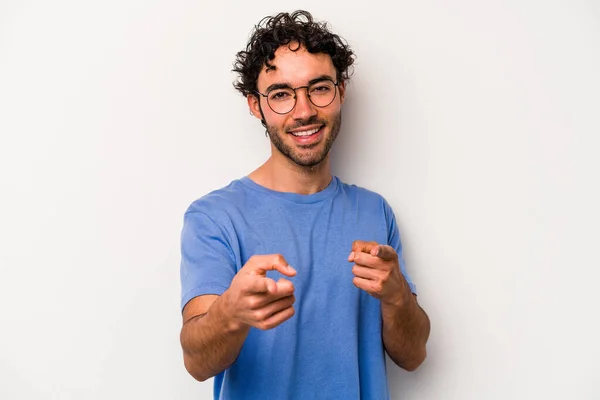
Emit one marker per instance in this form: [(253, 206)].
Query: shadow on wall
[(349, 138)]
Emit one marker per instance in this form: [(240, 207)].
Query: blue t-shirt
[(332, 347)]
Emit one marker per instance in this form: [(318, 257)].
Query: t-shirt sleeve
[(207, 261), (395, 241)]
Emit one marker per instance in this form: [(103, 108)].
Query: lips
[(305, 133), (305, 136), (305, 130)]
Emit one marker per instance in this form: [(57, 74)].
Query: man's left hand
[(377, 271)]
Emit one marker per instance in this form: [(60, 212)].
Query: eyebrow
[(282, 85)]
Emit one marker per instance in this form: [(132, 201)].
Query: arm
[(405, 325), (210, 339), (215, 327), (405, 333)]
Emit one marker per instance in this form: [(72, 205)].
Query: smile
[(308, 132)]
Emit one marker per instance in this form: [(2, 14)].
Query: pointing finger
[(272, 262), (359, 246), (362, 246), (386, 253)]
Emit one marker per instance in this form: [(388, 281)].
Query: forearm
[(211, 342), (405, 333)]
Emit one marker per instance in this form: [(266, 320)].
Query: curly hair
[(280, 30)]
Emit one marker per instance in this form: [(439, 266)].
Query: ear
[(342, 89), (253, 105)]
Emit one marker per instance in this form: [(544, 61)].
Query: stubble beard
[(294, 153)]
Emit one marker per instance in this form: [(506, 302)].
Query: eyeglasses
[(282, 100)]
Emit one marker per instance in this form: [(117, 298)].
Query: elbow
[(411, 367), (191, 361), (193, 370), (416, 361)]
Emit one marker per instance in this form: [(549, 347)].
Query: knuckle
[(253, 302), (260, 315), (270, 325), (278, 259), (292, 288), (261, 326)]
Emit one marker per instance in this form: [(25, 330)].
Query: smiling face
[(306, 133)]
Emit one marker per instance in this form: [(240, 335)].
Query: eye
[(280, 95), (320, 89)]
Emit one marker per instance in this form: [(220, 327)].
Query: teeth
[(306, 133)]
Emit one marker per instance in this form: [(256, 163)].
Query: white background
[(478, 120)]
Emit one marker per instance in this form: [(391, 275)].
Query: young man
[(293, 282)]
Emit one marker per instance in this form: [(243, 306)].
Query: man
[(293, 282)]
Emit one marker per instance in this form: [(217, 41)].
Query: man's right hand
[(255, 300)]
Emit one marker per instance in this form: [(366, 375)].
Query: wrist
[(398, 304), (401, 296), (225, 309)]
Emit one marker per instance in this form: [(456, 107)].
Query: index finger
[(362, 246), (384, 252), (271, 262)]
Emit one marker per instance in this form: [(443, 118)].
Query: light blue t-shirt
[(332, 347)]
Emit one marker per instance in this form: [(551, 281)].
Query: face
[(305, 134)]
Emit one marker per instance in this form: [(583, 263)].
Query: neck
[(283, 175)]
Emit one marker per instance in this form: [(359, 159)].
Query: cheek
[(334, 108), (277, 121), (282, 120)]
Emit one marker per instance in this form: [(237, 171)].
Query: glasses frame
[(335, 85)]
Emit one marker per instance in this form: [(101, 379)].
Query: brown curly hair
[(280, 30)]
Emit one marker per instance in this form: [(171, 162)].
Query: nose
[(304, 109)]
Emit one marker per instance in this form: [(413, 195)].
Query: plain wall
[(477, 120)]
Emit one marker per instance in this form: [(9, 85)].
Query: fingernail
[(351, 256)]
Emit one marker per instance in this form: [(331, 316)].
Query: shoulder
[(217, 212), (367, 199), (361, 193), (220, 201)]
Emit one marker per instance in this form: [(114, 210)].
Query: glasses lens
[(281, 100), (322, 93)]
